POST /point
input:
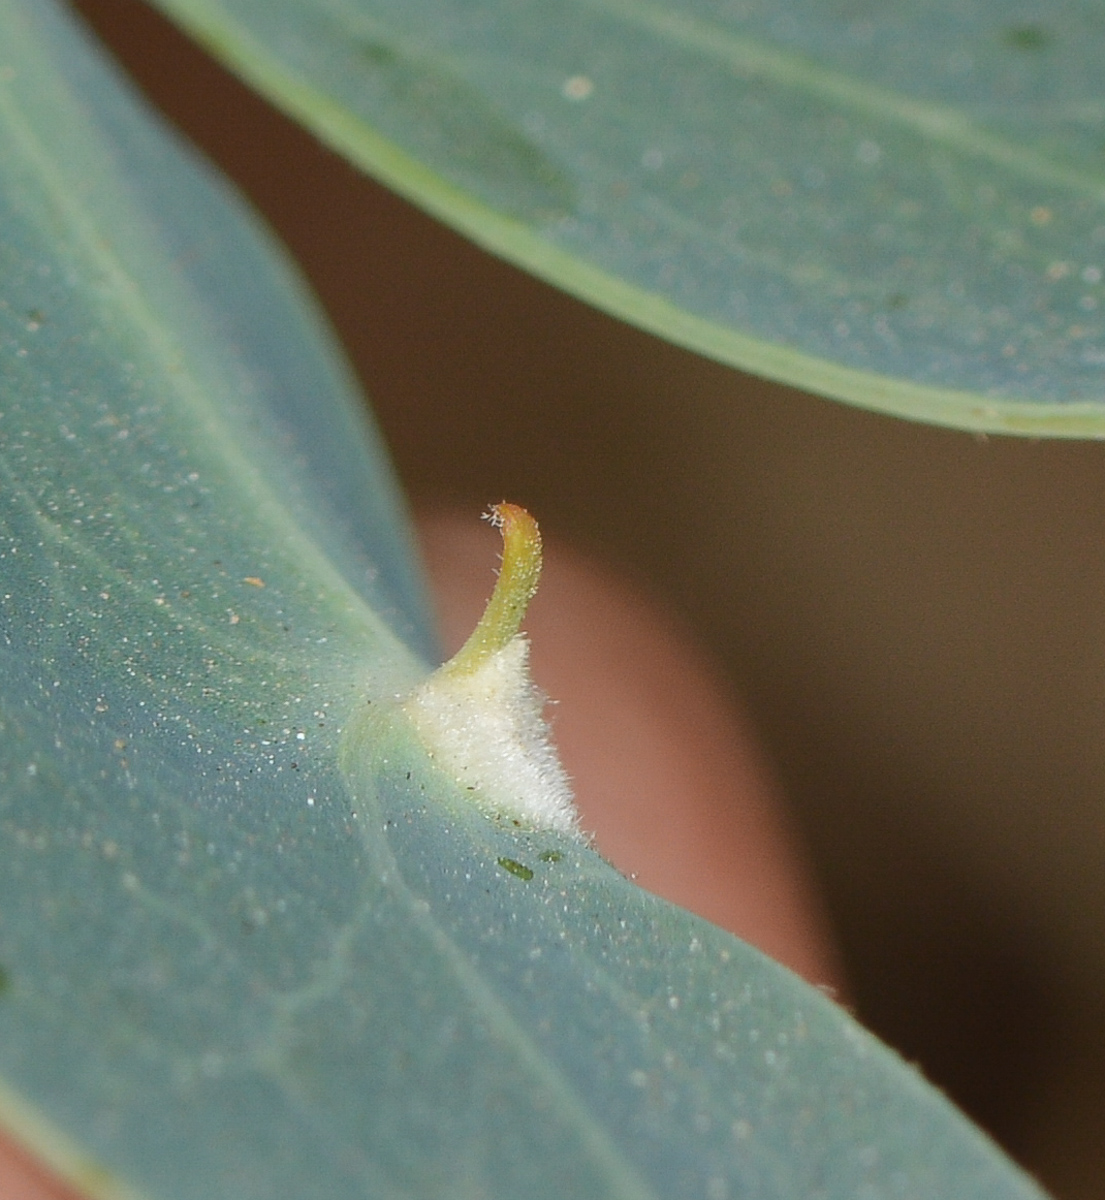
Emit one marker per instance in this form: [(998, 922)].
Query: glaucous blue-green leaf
[(900, 205), (253, 944)]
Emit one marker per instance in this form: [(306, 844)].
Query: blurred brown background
[(916, 616)]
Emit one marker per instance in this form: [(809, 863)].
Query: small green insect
[(515, 868)]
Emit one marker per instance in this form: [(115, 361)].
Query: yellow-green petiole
[(515, 588)]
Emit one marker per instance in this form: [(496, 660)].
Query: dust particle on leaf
[(1027, 37)]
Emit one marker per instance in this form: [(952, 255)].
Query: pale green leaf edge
[(66, 1159), (234, 45)]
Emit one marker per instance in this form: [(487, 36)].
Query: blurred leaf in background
[(904, 209)]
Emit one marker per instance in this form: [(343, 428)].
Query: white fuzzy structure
[(486, 728)]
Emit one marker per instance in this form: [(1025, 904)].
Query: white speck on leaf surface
[(577, 87)]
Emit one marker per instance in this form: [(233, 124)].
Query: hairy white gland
[(486, 728)]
